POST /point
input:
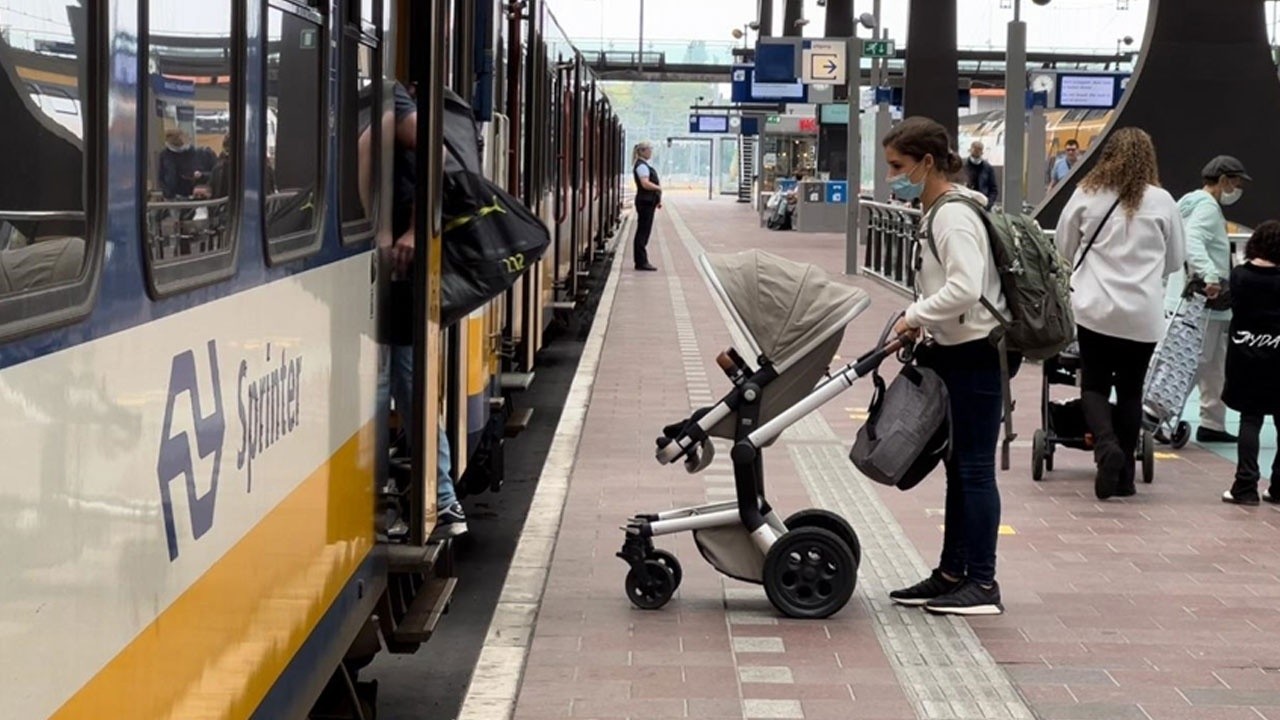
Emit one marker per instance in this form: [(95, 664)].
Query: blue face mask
[(902, 187)]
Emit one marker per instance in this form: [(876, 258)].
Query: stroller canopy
[(786, 308)]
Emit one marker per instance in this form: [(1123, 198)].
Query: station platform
[(1158, 607)]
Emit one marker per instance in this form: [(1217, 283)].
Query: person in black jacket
[(980, 176), (648, 200), (1253, 360)]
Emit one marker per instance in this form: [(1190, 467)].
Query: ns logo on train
[(269, 411)]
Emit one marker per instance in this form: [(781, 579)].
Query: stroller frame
[(749, 520), (1057, 371)]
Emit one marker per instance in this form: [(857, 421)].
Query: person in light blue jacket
[(1209, 258)]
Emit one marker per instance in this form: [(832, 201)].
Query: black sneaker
[(922, 592), (1110, 461), (968, 599), (646, 268), (1209, 435), (1271, 496), (1241, 498), (451, 522)]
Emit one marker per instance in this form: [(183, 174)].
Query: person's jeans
[(1107, 362), (400, 380), (971, 372), (1247, 472), (644, 226)]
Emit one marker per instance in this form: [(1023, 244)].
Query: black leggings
[(1247, 471), (644, 226), (1108, 362)]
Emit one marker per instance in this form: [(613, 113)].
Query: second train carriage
[(188, 365)]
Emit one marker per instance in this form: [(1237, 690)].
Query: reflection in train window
[(295, 65), (359, 137), (188, 140), (44, 57)]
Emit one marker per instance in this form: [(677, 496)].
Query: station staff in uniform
[(648, 200)]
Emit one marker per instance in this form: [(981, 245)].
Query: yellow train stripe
[(476, 359), (44, 76), (217, 650)]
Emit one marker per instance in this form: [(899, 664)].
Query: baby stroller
[(1173, 369), (793, 317), (1062, 422)]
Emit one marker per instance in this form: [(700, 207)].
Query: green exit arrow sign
[(878, 48), (772, 120)]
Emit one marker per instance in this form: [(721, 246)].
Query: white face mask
[(1230, 198)]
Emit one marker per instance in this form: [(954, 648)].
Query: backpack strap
[(951, 197)]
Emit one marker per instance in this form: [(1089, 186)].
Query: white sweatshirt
[(1119, 288), (950, 292)]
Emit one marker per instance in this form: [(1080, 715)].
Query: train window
[(359, 137), (190, 142), (294, 117), (49, 187)]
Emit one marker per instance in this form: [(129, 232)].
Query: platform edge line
[(499, 671)]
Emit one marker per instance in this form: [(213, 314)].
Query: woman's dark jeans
[(971, 372), (644, 226)]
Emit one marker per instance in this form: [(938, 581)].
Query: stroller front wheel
[(670, 562), (1039, 455), (809, 573), (650, 586)]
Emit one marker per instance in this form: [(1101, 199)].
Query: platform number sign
[(878, 48)]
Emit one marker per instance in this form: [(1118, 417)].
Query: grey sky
[(1063, 25)]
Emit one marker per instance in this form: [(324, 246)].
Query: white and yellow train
[(192, 450)]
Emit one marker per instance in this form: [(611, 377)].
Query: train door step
[(584, 273), (517, 381), (497, 403), (518, 422), (564, 305), (412, 558), (431, 602)]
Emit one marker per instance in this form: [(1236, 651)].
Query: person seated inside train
[(451, 521), (45, 262), (183, 166)]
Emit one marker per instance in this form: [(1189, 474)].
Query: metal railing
[(889, 244), (889, 240)]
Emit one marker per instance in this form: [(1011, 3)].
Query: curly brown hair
[(1126, 166), (1264, 244)]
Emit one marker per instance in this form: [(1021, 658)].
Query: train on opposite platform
[(194, 244)]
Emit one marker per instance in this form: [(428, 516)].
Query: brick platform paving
[(1163, 606)]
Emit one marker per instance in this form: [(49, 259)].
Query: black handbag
[(490, 238)]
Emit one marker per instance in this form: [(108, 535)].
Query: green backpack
[(1036, 282), (1035, 279)]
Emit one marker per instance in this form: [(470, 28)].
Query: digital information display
[(1100, 92), (709, 124)]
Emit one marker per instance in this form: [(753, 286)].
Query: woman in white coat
[(1123, 234)]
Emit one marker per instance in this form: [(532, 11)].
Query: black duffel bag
[(490, 238)]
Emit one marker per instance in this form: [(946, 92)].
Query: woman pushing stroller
[(954, 273), (1123, 235)]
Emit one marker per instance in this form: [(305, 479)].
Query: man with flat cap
[(1209, 258)]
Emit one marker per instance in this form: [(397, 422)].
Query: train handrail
[(41, 215), (562, 213)]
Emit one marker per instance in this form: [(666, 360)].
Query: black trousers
[(644, 226), (1247, 472), (1108, 362)]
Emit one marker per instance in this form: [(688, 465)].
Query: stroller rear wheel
[(670, 562), (651, 586), (1039, 455), (827, 520), (1148, 457), (810, 573)]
